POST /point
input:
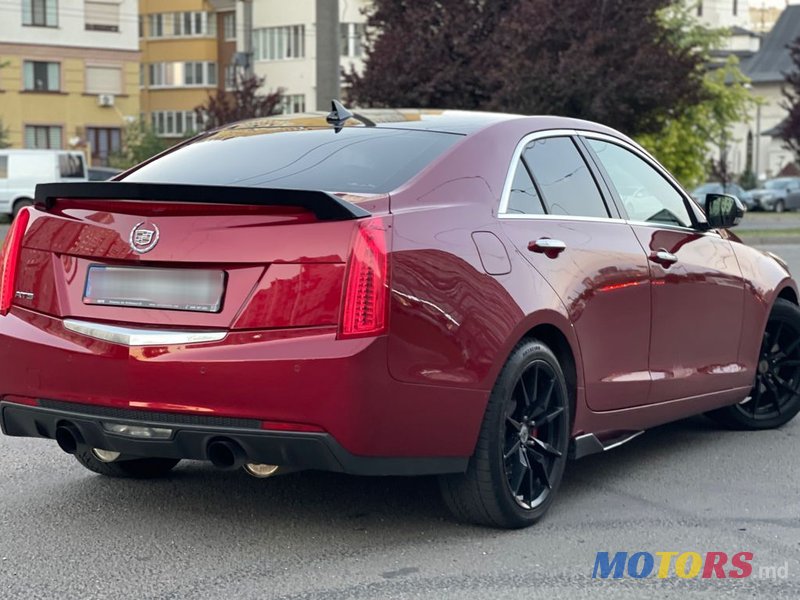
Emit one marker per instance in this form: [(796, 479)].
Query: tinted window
[(3, 167), (563, 178), (524, 199), (70, 165), (647, 196), (368, 160)]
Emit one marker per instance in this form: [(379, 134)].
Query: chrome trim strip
[(129, 336), (560, 218), (619, 443)]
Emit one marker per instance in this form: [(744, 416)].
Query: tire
[(19, 205), (137, 468), (529, 402), (775, 397), (780, 206)]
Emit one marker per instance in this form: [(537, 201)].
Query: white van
[(21, 170)]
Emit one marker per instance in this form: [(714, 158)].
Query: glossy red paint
[(645, 343)]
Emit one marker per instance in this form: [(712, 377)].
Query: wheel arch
[(788, 293), (555, 339)]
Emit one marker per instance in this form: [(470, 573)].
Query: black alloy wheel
[(775, 396), (532, 436), (521, 452)]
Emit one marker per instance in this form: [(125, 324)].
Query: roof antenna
[(338, 115)]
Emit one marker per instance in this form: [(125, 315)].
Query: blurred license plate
[(175, 289)]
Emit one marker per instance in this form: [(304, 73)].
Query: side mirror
[(723, 211)]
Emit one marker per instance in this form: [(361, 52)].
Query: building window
[(103, 141), (229, 26), (175, 123), (141, 26), (735, 7), (293, 103), (155, 25), (182, 24), (279, 43), (40, 13), (351, 40), (101, 15), (42, 137), (700, 8), (230, 77), (182, 74), (41, 76), (103, 80)]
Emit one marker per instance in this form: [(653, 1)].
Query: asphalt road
[(202, 533)]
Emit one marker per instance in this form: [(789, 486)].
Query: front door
[(697, 286), (557, 217)]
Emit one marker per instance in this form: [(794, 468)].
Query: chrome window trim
[(512, 168), (130, 336), (646, 157), (560, 218)]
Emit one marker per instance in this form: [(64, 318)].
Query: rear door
[(558, 218), (697, 287)]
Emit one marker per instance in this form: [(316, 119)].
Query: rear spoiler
[(325, 206)]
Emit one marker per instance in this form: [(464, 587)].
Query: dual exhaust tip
[(223, 454)]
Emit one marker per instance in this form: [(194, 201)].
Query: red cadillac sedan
[(476, 296)]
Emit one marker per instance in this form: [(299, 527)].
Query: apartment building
[(187, 49), (70, 73), (301, 47)]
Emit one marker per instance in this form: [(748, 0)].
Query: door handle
[(547, 246), (664, 258)]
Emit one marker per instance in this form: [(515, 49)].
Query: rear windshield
[(355, 160)]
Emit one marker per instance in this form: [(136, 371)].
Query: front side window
[(647, 196), (40, 13), (564, 178), (42, 76), (71, 165), (524, 197)]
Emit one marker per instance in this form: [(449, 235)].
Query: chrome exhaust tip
[(260, 471), (106, 456)]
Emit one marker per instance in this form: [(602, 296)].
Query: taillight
[(10, 259), (365, 309)]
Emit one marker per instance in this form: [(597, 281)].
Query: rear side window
[(357, 160), (70, 165), (524, 198), (3, 167), (564, 178)]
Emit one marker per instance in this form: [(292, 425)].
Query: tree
[(139, 143), (612, 61), (243, 102), (4, 143), (694, 144), (790, 127)]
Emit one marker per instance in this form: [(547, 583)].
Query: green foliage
[(748, 180), (4, 143), (688, 139), (139, 144)]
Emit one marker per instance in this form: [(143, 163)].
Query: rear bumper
[(191, 435), (342, 388)]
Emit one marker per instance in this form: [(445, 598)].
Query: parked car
[(21, 170), (779, 194), (102, 173), (700, 193), (437, 309)]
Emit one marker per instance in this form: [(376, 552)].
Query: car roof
[(460, 122)]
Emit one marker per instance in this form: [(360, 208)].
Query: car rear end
[(157, 317)]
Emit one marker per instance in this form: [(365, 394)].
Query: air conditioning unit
[(105, 100)]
